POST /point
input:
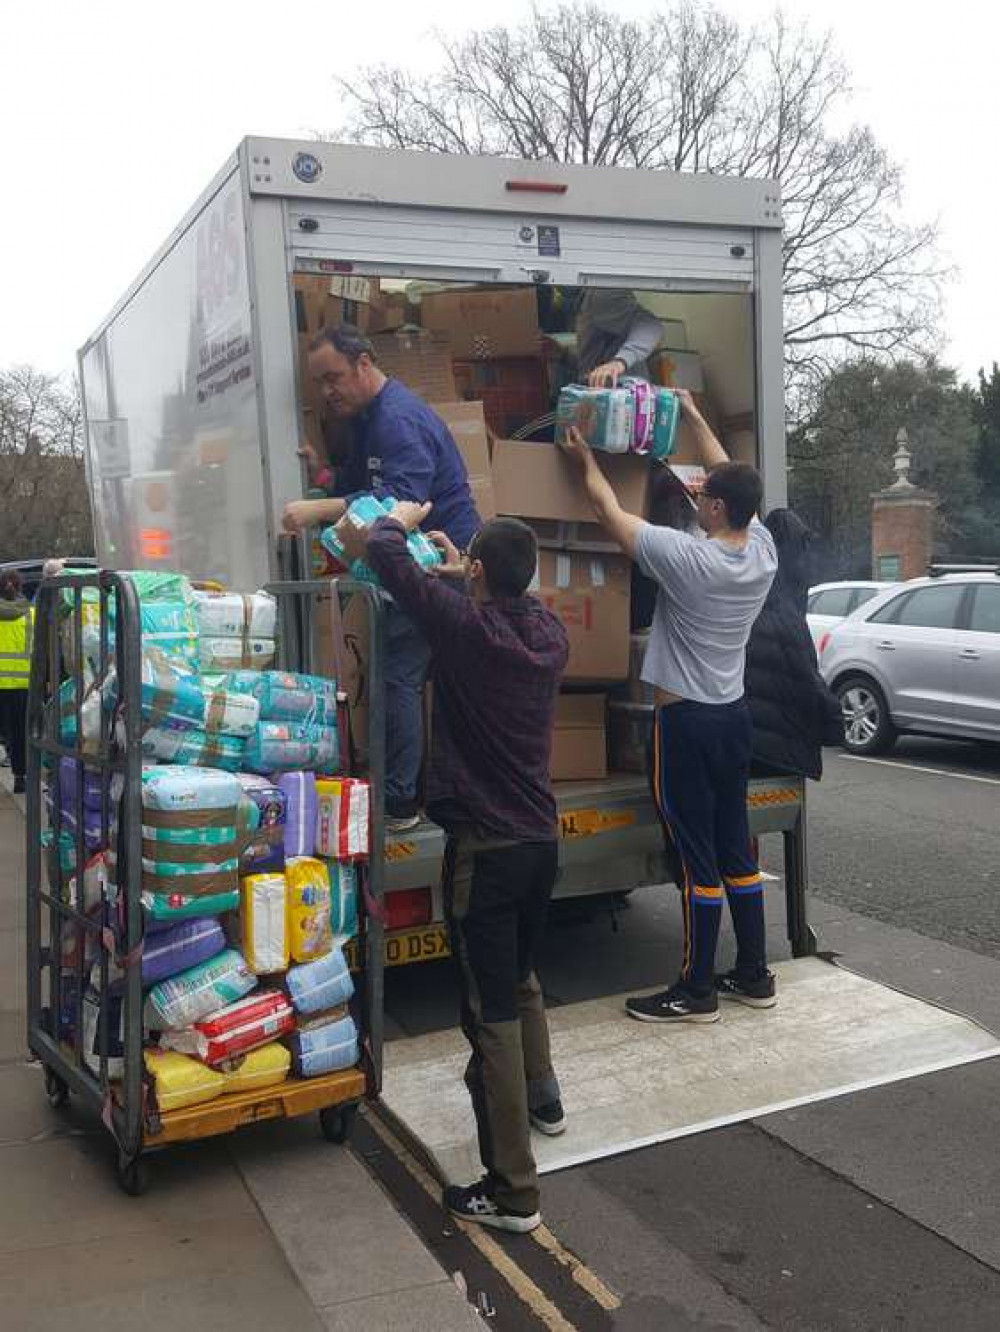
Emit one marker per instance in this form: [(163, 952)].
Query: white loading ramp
[(630, 1084)]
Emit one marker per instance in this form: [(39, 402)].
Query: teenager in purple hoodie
[(497, 658)]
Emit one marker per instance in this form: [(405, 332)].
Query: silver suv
[(923, 656)]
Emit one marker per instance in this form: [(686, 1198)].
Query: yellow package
[(310, 934), (182, 1081), (260, 1068), (264, 923)]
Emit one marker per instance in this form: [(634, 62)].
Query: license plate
[(405, 946)]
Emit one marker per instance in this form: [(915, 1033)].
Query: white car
[(829, 603), (922, 657)]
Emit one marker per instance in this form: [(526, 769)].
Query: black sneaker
[(674, 1005), (474, 1203), (755, 994), (549, 1119)]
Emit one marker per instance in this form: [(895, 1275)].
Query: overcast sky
[(114, 116)]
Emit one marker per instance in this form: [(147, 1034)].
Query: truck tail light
[(407, 907)]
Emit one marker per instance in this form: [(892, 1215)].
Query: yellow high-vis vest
[(16, 637)]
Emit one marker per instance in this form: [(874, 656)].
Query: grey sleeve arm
[(643, 335)]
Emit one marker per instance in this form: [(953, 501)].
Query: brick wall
[(903, 526)]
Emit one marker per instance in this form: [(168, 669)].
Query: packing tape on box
[(189, 818)]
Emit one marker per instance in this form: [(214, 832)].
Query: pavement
[(270, 1229), (876, 1210)]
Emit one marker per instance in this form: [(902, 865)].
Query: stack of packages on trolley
[(251, 850)]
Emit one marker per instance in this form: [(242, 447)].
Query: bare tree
[(46, 510), (691, 90)]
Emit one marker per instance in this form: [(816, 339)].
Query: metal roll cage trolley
[(71, 942)]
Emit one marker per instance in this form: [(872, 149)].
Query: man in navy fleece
[(400, 448)]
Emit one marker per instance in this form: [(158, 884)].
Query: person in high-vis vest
[(16, 630)]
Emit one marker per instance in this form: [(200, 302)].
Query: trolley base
[(285, 1100)]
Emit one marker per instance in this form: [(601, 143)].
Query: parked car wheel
[(868, 728)]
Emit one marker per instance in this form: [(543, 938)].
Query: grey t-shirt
[(709, 596)]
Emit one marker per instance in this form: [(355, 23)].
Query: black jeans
[(496, 897), (13, 727)]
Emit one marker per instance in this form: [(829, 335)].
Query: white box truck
[(194, 410)]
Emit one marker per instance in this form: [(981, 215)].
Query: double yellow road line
[(527, 1290)]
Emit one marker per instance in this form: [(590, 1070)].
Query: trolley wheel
[(337, 1121), (56, 1090), (133, 1175)]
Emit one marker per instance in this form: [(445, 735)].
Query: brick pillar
[(902, 531)]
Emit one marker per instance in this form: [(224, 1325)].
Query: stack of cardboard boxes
[(462, 358)]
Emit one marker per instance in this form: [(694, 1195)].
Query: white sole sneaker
[(550, 1130), (675, 1019), (748, 1001)]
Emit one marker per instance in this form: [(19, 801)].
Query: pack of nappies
[(230, 615), (195, 749), (302, 804), (188, 789), (182, 946), (643, 413), (180, 1081), (194, 994), (262, 814), (115, 1004), (263, 1067), (343, 897), (604, 417), (324, 1049), (292, 746), (236, 1029), (229, 713), (364, 511), (163, 909), (322, 984), (171, 695), (289, 697), (264, 922), (309, 929), (342, 818), (666, 422), (234, 654)]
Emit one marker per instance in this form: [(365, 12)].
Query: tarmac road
[(872, 1211)]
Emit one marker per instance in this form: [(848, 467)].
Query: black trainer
[(474, 1203), (674, 1005), (549, 1119), (754, 993)]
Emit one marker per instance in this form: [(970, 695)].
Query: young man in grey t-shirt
[(710, 593)]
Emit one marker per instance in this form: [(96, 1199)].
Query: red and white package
[(342, 818), (235, 1029)]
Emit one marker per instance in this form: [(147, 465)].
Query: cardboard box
[(677, 369), (591, 595), (390, 311), (352, 675), (630, 728), (484, 324), (418, 359), (467, 424), (538, 481), (579, 739)]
